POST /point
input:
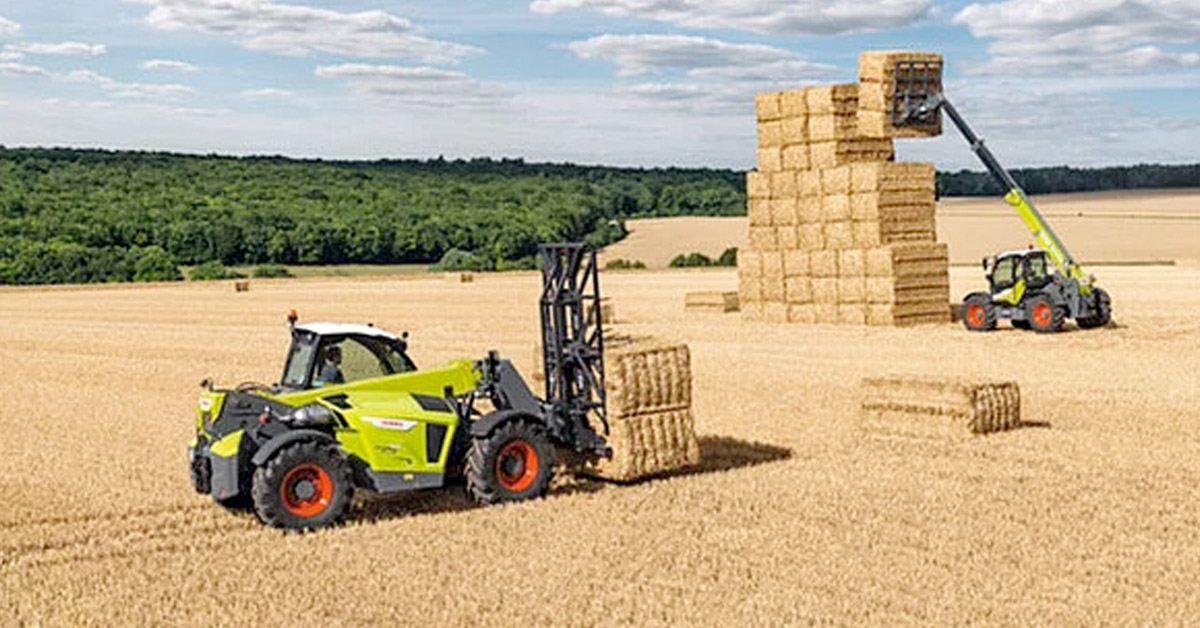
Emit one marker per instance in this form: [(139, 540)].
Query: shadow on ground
[(717, 454)]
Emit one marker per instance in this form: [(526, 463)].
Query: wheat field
[(794, 516)]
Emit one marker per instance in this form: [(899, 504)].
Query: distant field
[(1142, 226)]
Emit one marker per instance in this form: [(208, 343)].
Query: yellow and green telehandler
[(353, 413), (1036, 288)]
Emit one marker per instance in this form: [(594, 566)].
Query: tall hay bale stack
[(938, 408), (876, 76), (711, 301), (908, 284), (650, 419)]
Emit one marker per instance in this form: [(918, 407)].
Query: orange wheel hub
[(975, 315), (306, 490), (517, 466), (1042, 315)]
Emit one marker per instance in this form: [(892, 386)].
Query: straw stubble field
[(794, 516)]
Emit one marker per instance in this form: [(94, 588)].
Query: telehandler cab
[(352, 412), (1035, 289)]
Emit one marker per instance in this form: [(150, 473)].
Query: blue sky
[(623, 82)]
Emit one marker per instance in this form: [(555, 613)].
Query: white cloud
[(636, 55), (1051, 37), (66, 48), (795, 17), (8, 28), (20, 69), (11, 55), (293, 29), (168, 65), (414, 85), (266, 92), (120, 89)]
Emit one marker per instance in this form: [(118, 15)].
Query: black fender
[(482, 428), (986, 295), (272, 446)]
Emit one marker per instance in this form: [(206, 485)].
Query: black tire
[(1044, 316), (979, 313), (514, 463), (303, 487), (1102, 306)]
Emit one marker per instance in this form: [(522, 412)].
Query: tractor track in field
[(84, 538)]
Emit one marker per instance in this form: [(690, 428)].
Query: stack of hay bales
[(649, 404), (711, 301), (877, 102), (939, 408), (840, 233)]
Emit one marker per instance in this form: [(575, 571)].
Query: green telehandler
[(353, 413), (1035, 289)]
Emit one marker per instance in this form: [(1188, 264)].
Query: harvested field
[(792, 516)]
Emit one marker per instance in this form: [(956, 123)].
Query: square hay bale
[(888, 316), (876, 71), (852, 314), (644, 380), (938, 408), (795, 263), (839, 235), (794, 103), (852, 263), (750, 276), (835, 180), (758, 212), (880, 315), (909, 260), (775, 312), (812, 236), (850, 151), (750, 311), (460, 277), (787, 238), (879, 123), (835, 207), (648, 444), (767, 106), (824, 290), (783, 185), (241, 286), (823, 263), (770, 159), (878, 65), (774, 289), (808, 183), (824, 127), (808, 209), (758, 185), (826, 313), (852, 289), (867, 235), (770, 134), (783, 211), (928, 289), (892, 176), (763, 239), (799, 290), (795, 157), (772, 272), (828, 99), (711, 301), (802, 313), (795, 130)]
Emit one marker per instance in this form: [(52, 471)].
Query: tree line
[(82, 216)]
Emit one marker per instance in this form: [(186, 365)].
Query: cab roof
[(352, 329), (1019, 252)]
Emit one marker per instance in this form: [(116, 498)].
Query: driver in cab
[(331, 372)]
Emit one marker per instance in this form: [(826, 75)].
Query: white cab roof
[(333, 329), (1018, 252)]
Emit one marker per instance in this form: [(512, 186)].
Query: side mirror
[(984, 264), (404, 341)]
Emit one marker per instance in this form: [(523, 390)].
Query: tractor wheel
[(979, 313), (303, 487), (514, 463), (1102, 305), (1044, 316)]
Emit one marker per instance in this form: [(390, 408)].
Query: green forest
[(83, 216)]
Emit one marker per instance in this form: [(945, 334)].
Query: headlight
[(313, 414)]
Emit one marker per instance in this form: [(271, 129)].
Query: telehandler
[(353, 413), (1035, 289)]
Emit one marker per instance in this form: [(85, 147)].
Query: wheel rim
[(517, 466), (306, 490), (1042, 315), (975, 315)]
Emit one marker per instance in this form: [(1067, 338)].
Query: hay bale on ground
[(241, 286), (938, 408), (711, 301), (649, 413), (460, 277)]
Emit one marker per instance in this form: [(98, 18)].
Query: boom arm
[(1033, 219)]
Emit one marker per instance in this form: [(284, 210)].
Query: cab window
[(347, 360), (1004, 275), (1035, 269)]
